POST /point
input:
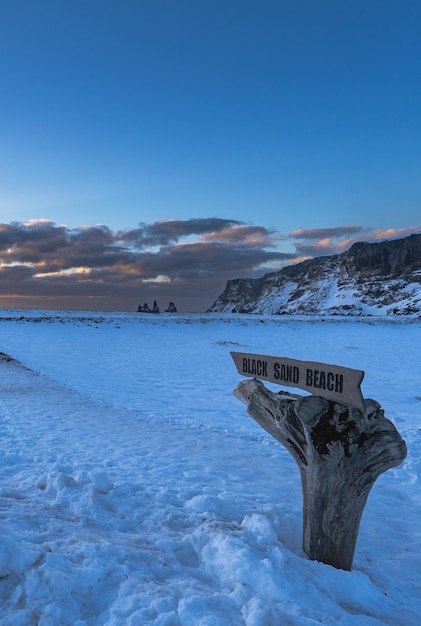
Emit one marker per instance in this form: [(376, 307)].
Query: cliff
[(381, 278)]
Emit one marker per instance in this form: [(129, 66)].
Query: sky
[(156, 149)]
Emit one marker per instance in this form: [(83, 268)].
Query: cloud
[(327, 241), (323, 247), (253, 235), (39, 259), (392, 233), (44, 265), (171, 231), (326, 233)]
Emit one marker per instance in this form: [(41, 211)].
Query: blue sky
[(295, 123)]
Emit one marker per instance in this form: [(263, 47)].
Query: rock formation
[(381, 278), (145, 308)]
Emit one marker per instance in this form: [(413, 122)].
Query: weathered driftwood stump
[(340, 453)]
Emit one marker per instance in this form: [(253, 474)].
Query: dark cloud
[(171, 231), (92, 267), (42, 243), (106, 269), (327, 241), (212, 258), (253, 235), (324, 233)]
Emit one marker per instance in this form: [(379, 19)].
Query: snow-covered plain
[(135, 489)]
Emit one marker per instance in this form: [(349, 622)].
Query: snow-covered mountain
[(381, 278)]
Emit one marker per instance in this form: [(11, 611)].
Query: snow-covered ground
[(135, 489)]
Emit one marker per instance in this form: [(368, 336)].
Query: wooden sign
[(333, 382)]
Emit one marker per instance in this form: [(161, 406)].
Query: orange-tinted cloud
[(324, 233), (39, 259), (187, 261), (253, 235), (327, 241)]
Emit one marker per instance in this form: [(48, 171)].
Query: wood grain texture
[(340, 452)]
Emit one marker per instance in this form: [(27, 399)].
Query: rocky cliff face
[(382, 278)]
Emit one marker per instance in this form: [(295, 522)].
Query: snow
[(274, 298), (334, 292), (135, 489)]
